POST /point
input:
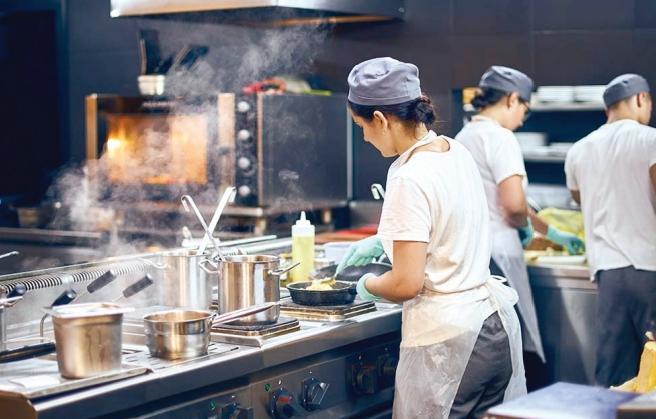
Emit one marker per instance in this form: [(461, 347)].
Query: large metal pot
[(183, 283), (179, 333), (88, 338), (247, 280)]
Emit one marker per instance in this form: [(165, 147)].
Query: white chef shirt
[(610, 168), (497, 154), (438, 198)]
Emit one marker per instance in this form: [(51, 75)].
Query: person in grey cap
[(502, 104), (461, 349), (612, 174)]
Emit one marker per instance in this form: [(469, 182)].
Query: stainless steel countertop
[(569, 271), (313, 338), (560, 276)]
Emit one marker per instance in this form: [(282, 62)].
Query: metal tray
[(39, 377)]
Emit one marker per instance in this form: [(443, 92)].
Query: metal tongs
[(189, 205)]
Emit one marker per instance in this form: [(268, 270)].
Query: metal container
[(248, 280), (182, 282), (178, 333), (151, 84), (88, 338)]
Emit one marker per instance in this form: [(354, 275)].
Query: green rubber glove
[(526, 233), (362, 252), (363, 292), (569, 241)]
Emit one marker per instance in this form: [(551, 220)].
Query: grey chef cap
[(508, 80), (624, 86), (383, 81)]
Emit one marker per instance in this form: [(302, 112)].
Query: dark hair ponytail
[(486, 97), (417, 111)]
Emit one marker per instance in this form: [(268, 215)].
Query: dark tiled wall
[(452, 42)]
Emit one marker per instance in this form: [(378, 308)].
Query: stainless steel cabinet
[(565, 300)]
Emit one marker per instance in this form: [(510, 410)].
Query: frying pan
[(342, 293)]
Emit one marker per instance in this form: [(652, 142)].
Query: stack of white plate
[(529, 140), (592, 93), (559, 94)]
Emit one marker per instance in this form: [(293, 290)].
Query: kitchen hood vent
[(271, 12)]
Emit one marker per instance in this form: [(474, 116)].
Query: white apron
[(508, 254), (438, 337)]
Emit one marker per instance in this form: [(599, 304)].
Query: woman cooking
[(460, 349), (502, 104)]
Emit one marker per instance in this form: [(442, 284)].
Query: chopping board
[(353, 234), (565, 401), (556, 257)]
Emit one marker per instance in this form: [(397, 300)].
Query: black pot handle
[(27, 352)]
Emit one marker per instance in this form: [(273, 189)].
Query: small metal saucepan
[(341, 293), (174, 334)]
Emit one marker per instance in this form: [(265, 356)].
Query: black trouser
[(487, 373), (626, 309)]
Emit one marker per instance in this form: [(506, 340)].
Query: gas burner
[(253, 335), (326, 313)]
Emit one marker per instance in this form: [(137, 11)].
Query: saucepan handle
[(203, 265), (284, 269), (153, 264)]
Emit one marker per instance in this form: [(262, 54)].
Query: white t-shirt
[(610, 168), (497, 154), (438, 198)]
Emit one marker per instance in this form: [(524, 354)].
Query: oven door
[(154, 149)]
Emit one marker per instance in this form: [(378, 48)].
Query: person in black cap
[(461, 344), (612, 174), (503, 105)]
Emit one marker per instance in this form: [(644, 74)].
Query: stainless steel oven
[(275, 149)]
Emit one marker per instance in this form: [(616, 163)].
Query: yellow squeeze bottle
[(302, 249)]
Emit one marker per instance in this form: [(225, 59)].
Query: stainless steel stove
[(326, 313), (253, 335)]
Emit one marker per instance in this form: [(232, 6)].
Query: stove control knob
[(366, 380), (244, 191), (243, 135), (243, 163), (314, 392), (234, 411), (243, 106), (283, 405), (387, 366)]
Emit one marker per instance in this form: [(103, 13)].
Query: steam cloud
[(238, 56)]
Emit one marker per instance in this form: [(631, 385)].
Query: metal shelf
[(540, 158), (555, 107)]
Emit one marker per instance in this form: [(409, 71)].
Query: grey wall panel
[(585, 57), (93, 31), (645, 13), (583, 14), (472, 55), (482, 17)]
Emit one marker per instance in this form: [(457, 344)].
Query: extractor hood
[(282, 11)]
